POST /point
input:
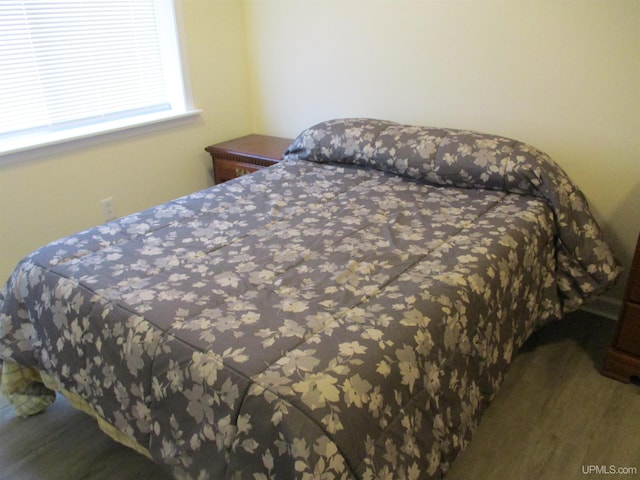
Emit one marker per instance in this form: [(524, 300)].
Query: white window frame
[(56, 142)]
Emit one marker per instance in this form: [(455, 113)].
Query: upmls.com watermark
[(608, 470)]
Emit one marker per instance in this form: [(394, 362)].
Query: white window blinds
[(84, 65)]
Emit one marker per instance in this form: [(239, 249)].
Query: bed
[(345, 314)]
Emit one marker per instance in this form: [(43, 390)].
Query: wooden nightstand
[(246, 154), (623, 358)]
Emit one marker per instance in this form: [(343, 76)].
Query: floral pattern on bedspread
[(345, 317), (468, 159)]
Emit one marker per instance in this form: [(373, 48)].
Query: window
[(76, 68)]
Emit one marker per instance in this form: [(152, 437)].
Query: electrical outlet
[(108, 210)]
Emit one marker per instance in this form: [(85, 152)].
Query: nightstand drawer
[(629, 337), (247, 154), (229, 169), (634, 278), (634, 290), (623, 358)]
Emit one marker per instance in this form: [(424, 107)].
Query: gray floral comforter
[(348, 313)]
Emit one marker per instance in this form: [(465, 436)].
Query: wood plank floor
[(555, 417)]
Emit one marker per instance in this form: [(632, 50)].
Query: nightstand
[(246, 154), (623, 358)]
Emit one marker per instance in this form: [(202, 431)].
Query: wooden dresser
[(246, 154), (623, 358)]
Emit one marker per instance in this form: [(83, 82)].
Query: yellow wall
[(561, 75), (44, 199)]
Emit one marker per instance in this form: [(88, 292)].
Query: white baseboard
[(608, 307)]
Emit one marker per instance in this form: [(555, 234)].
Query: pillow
[(349, 141), (445, 157)]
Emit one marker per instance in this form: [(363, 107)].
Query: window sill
[(11, 153)]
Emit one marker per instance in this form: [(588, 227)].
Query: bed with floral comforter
[(348, 313)]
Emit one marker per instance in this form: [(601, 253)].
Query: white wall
[(60, 193), (561, 75)]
